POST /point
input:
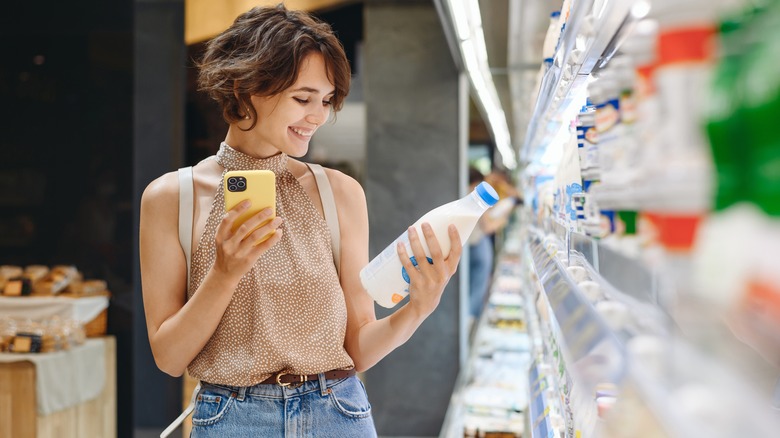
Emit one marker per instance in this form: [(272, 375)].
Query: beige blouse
[(288, 312)]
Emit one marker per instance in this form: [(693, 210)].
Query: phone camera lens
[(232, 181), (241, 184), (232, 188)]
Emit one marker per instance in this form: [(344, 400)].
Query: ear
[(244, 104)]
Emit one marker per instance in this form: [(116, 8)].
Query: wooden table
[(19, 416)]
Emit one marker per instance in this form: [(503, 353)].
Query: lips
[(303, 133)]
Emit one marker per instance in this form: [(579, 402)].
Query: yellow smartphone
[(259, 186)]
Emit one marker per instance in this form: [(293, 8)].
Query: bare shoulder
[(162, 191), (347, 191)]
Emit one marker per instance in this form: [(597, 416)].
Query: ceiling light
[(467, 21)]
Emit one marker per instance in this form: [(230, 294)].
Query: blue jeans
[(320, 408), (480, 270)]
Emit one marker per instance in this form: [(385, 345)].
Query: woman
[(481, 252), (273, 332)]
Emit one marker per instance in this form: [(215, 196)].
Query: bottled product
[(611, 132), (386, 279), (546, 64), (502, 208), (640, 47), (552, 36), (723, 122), (586, 143), (761, 106)]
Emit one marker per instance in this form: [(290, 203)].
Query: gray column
[(160, 55), (414, 162)]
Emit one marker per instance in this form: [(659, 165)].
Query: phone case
[(258, 185)]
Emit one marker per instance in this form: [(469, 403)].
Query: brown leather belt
[(284, 379)]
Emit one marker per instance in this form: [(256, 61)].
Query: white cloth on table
[(66, 378), (83, 309)]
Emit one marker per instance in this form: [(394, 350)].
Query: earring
[(247, 114)]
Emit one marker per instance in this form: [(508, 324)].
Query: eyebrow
[(311, 90)]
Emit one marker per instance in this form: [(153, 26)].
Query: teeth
[(303, 133)]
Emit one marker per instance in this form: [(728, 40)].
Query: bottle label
[(628, 104), (387, 254), (405, 274), (607, 116)]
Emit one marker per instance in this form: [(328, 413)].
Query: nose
[(318, 115)]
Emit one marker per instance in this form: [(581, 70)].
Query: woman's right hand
[(238, 251)]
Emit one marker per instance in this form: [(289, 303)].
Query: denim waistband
[(274, 391)]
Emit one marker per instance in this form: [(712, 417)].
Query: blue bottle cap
[(487, 193)]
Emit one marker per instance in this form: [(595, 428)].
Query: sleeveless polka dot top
[(288, 312)]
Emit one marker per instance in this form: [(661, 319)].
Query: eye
[(301, 101), (326, 103)]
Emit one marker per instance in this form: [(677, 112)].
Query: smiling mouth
[(302, 133)]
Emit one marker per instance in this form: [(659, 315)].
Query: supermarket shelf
[(672, 192), (593, 354), (694, 395), (541, 404), (580, 52), (494, 400), (687, 392)]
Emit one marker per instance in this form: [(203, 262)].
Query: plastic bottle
[(552, 36), (761, 107), (546, 64), (586, 142), (385, 278), (724, 121)]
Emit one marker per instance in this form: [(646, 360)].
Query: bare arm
[(179, 329), (490, 225), (368, 340)]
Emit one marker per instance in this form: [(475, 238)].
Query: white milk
[(385, 278)]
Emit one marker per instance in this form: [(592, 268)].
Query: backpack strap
[(186, 213), (183, 416), (329, 208)]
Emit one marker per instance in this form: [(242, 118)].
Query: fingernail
[(246, 203)]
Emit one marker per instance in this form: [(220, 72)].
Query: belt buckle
[(291, 385)]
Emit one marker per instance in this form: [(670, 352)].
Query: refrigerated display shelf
[(682, 390), (490, 395), (581, 50)]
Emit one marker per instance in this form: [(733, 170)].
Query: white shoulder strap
[(187, 411), (329, 208), (186, 214), (186, 203)]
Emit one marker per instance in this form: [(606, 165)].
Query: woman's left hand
[(427, 281)]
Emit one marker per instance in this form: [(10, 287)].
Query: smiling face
[(286, 121)]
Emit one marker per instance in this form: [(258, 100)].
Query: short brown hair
[(261, 54)]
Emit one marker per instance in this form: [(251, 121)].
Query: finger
[(433, 243), (456, 248), (411, 271), (261, 248), (263, 232), (226, 225), (254, 222), (418, 250)]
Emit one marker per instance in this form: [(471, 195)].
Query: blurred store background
[(640, 135)]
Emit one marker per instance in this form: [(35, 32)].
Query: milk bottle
[(386, 279)]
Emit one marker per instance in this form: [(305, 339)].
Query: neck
[(246, 142), (232, 159)]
